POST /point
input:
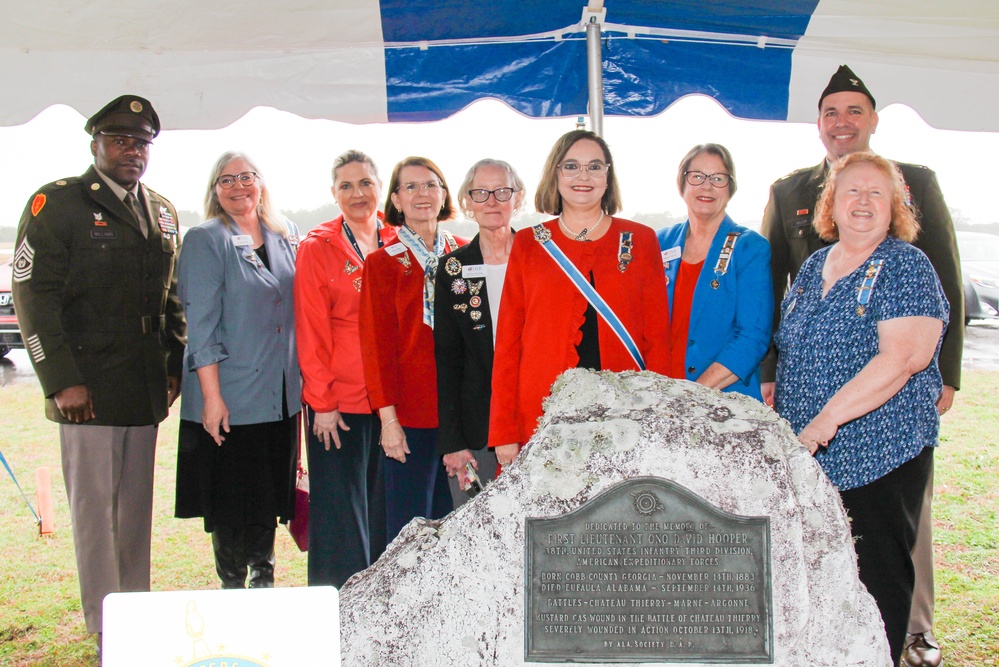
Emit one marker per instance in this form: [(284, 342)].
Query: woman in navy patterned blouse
[(857, 376)]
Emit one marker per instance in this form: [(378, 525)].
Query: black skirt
[(248, 480)]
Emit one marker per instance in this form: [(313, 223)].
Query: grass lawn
[(41, 622)]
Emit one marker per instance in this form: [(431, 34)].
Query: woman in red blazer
[(546, 325), (397, 342), (347, 493)]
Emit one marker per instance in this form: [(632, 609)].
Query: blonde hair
[(904, 224), (268, 215)]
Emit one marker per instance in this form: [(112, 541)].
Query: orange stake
[(43, 497)]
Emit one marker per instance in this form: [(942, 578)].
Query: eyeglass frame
[(413, 187), (494, 194), (237, 178), (707, 178), (601, 171)]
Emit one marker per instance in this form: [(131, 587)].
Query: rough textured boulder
[(452, 592)]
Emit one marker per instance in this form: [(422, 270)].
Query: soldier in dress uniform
[(95, 288), (847, 119)]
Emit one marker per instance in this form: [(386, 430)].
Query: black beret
[(845, 80), (129, 116)]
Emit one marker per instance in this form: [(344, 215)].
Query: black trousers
[(885, 514), (346, 501)]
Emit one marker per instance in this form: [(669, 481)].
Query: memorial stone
[(453, 592)]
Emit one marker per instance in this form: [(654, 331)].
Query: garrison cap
[(845, 80), (129, 116)]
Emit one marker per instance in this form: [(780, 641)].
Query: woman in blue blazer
[(241, 384), (718, 281)]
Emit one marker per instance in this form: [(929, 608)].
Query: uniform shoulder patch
[(37, 204), (23, 259)]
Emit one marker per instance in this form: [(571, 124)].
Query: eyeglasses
[(698, 177), (481, 196), (227, 181), (430, 187), (596, 169)]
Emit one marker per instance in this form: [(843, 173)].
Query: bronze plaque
[(648, 571)]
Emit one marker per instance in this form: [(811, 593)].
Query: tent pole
[(593, 16)]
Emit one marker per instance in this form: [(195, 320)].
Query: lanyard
[(353, 242)]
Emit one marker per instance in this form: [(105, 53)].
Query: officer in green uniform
[(95, 287), (847, 119)]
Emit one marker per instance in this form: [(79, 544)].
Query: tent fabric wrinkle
[(371, 61)]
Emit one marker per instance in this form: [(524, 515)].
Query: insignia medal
[(452, 266), (624, 255), (541, 234), (475, 286), (99, 220), (350, 268), (459, 286), (461, 306), (404, 260), (357, 283), (724, 257), (864, 291), (475, 315), (475, 302)]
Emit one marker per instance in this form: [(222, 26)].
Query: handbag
[(299, 526)]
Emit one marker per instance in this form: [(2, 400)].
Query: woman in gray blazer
[(241, 385)]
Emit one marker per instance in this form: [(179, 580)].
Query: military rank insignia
[(23, 259)]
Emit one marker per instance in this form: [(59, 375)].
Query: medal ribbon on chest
[(864, 291), (624, 255), (724, 257)]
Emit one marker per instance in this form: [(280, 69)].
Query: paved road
[(981, 352)]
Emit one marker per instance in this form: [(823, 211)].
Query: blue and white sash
[(543, 236)]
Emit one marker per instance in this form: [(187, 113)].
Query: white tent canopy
[(362, 61)]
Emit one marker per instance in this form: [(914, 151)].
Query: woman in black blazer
[(466, 303)]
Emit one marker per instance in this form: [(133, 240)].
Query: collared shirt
[(824, 342)]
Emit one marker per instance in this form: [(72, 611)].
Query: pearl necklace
[(581, 236)]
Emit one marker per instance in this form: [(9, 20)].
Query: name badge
[(671, 253), (395, 249), (242, 239), (473, 271)]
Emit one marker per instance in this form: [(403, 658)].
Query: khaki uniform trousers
[(109, 480)]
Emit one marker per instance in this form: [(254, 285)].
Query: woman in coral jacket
[(397, 342), (546, 325), (718, 281), (347, 494)]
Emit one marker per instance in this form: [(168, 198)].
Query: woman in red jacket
[(347, 494), (397, 342), (546, 324)]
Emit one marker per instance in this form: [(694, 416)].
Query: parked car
[(980, 271), (10, 332)]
